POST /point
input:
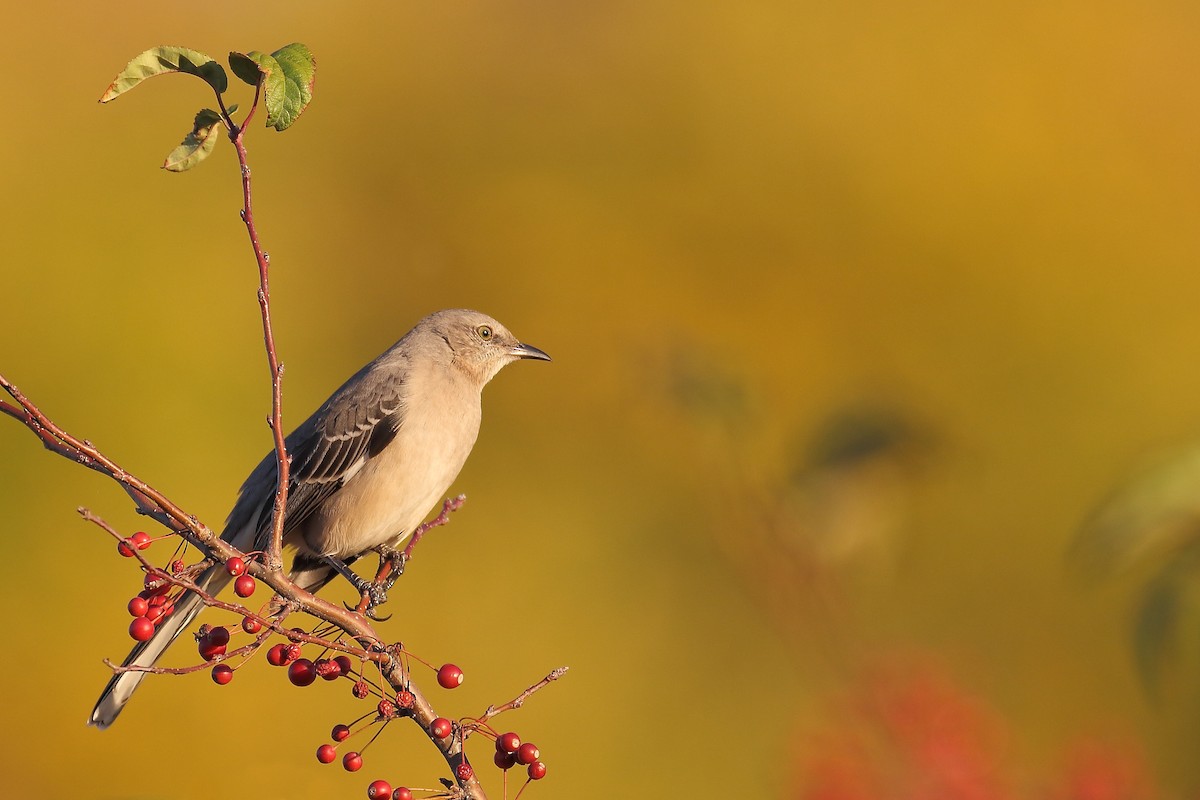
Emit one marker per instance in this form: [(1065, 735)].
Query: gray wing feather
[(326, 449)]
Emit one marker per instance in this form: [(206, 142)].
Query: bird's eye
[(484, 332)]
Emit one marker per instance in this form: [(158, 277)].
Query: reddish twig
[(274, 552), (450, 505), (520, 699)]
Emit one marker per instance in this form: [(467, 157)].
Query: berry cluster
[(511, 751), (157, 600)]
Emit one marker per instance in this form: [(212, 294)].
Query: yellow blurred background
[(857, 311)]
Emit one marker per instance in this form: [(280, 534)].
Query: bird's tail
[(145, 654)]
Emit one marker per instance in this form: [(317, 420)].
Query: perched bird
[(366, 468)]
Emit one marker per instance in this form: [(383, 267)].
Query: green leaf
[(250, 66), (196, 146), (300, 76), (161, 60)]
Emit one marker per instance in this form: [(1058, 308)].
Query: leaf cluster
[(283, 80)]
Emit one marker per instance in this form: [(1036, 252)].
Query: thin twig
[(520, 699), (274, 558)]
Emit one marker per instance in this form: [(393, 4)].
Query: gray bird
[(367, 467)]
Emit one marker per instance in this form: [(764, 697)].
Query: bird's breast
[(397, 488)]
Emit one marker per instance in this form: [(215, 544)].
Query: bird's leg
[(360, 583), (391, 566)]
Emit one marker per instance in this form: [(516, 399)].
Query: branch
[(274, 554), (520, 699)]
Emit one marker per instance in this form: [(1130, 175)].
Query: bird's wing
[(327, 450)]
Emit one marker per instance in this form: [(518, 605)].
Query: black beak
[(528, 351)]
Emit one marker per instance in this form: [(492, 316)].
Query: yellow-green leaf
[(197, 145), (161, 60)]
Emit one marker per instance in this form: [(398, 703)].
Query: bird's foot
[(391, 566)]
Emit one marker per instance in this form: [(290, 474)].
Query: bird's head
[(479, 345)]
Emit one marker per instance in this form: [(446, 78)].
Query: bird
[(366, 468)]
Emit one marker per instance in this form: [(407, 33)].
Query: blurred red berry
[(504, 760), (141, 540), (402, 793), (344, 664), (537, 771), (340, 732)]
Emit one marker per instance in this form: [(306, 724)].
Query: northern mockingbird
[(366, 468)]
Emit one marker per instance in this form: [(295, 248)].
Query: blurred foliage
[(933, 266), (1152, 521)]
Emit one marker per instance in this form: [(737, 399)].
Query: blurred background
[(864, 465)]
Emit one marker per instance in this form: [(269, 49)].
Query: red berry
[(328, 669), (222, 674), (177, 566), (141, 629), (340, 733), (244, 586), (450, 676), (344, 664), (508, 742), (302, 672), (218, 636), (379, 790), (277, 655), (464, 771), (326, 753), (402, 793), (141, 540), (537, 771), (405, 699), (528, 753), (361, 690), (352, 762), (125, 548), (293, 651), (235, 566), (251, 625), (504, 760), (386, 709), (441, 727), (154, 612), (138, 607), (209, 651)]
